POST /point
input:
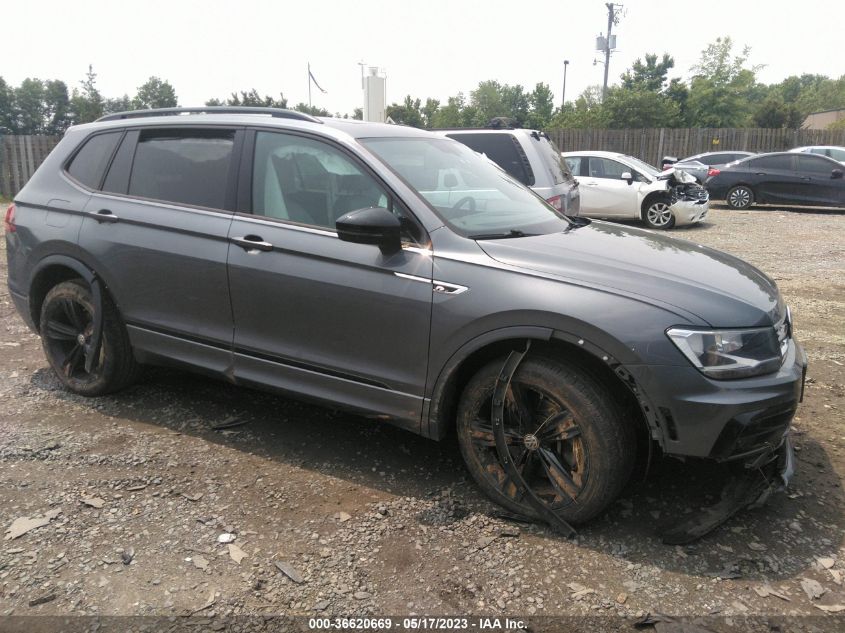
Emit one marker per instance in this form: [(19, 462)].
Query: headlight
[(725, 354)]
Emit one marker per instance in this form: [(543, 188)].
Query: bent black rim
[(67, 334), (544, 441)]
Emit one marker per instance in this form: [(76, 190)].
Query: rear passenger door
[(157, 233), (314, 315), (776, 179)]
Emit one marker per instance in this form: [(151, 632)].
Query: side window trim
[(247, 166), (121, 161)]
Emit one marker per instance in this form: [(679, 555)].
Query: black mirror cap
[(836, 173), (374, 225)]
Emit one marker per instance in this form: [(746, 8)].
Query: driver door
[(314, 315), (605, 193)]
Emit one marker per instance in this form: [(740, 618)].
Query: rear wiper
[(501, 236)]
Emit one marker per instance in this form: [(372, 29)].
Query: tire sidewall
[(662, 227), (603, 434), (103, 374), (733, 190)]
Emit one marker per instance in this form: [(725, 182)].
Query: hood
[(720, 289), (676, 175)]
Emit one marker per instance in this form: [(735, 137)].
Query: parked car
[(337, 261), (699, 165), (616, 187), (832, 151), (779, 178), (530, 156)]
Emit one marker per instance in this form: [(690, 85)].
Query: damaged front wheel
[(565, 433)]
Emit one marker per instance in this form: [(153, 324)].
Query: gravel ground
[(332, 515)]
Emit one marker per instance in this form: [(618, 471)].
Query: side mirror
[(626, 175), (836, 174), (374, 225)]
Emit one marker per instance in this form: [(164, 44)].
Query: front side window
[(189, 166), (815, 166), (837, 154), (307, 181), (467, 191), (90, 162), (606, 168)]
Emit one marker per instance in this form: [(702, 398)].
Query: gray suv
[(400, 275)]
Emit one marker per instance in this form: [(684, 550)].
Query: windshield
[(468, 191), (644, 167)]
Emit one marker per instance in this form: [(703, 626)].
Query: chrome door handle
[(252, 243), (104, 215)]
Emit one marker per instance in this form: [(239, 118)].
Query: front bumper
[(739, 421), (689, 211)]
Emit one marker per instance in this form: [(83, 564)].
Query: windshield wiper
[(501, 236)]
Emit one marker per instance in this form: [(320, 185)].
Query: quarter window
[(90, 162), (183, 166), (502, 149)]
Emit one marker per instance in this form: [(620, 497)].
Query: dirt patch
[(378, 521)]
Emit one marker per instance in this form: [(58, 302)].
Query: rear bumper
[(740, 421)]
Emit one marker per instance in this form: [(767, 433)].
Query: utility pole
[(563, 94), (611, 20)]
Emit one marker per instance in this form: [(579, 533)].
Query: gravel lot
[(371, 520)]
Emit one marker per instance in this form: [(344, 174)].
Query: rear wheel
[(740, 197), (565, 433), (67, 325)]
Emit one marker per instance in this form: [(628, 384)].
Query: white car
[(836, 153), (616, 186)]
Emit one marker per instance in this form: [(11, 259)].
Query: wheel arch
[(598, 363), (49, 272), (651, 197)]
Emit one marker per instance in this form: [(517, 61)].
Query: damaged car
[(398, 274), (620, 187)]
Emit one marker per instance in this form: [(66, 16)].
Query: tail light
[(556, 202), (713, 172), (9, 220)]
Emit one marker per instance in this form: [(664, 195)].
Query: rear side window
[(782, 162), (558, 169), (502, 149), (90, 162), (183, 166)]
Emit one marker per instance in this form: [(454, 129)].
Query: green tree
[(542, 106), (155, 93), (251, 98), (639, 108), (517, 104), (409, 112), (429, 110), (30, 111), (651, 75), (450, 115), (309, 109), (57, 109), (721, 89), (87, 103), (358, 113), (118, 104), (7, 106), (585, 112), (487, 102)]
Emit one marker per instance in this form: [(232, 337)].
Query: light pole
[(563, 95)]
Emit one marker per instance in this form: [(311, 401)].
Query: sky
[(426, 48)]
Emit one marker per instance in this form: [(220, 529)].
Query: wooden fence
[(20, 156), (651, 145)]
